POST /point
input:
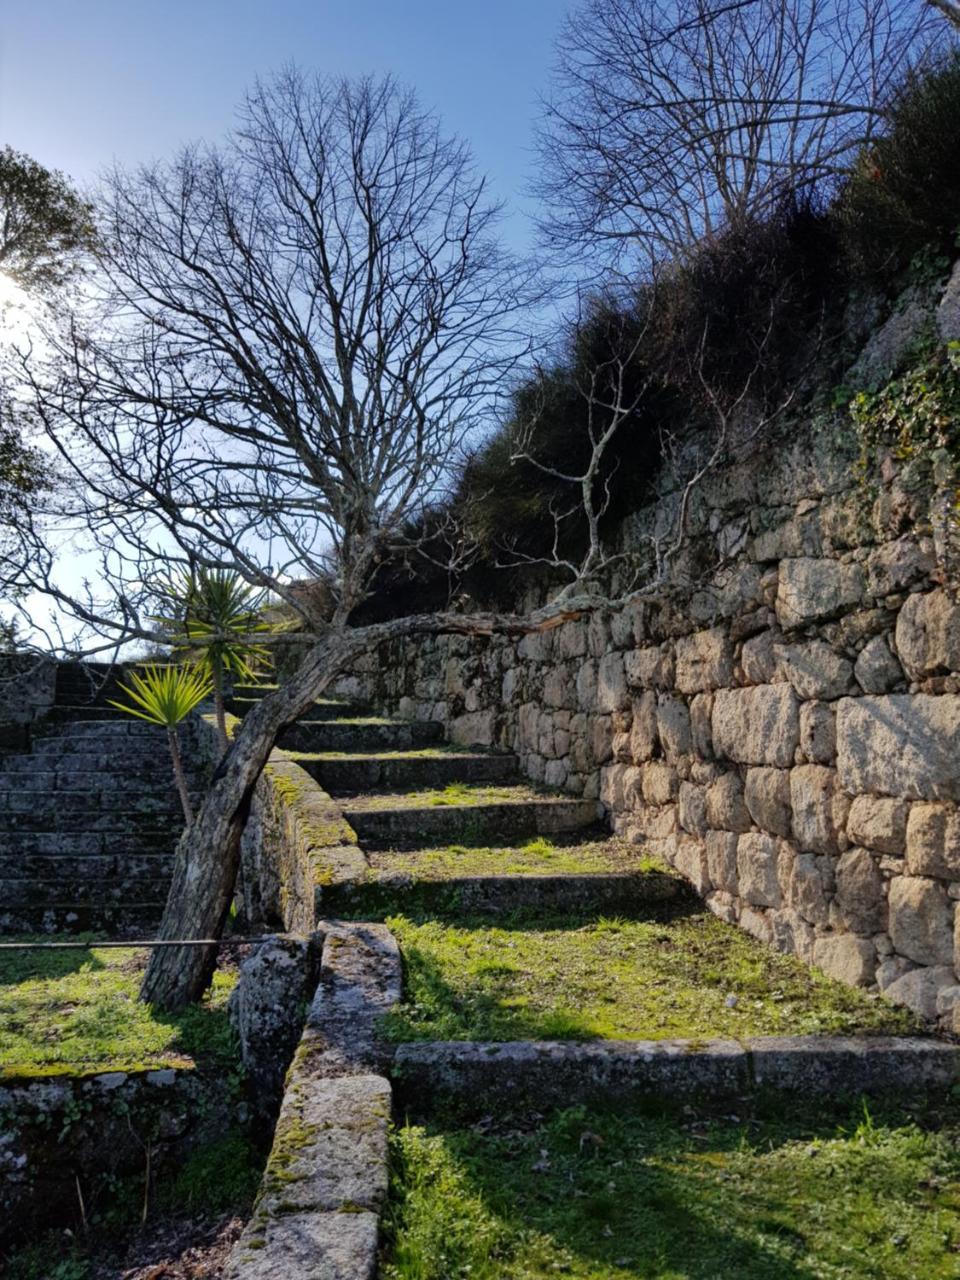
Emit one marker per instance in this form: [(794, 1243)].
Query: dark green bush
[(903, 197)]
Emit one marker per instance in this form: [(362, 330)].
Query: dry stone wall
[(784, 731)]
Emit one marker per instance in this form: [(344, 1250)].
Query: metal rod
[(84, 946)]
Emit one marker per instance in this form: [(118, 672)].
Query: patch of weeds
[(537, 856), (456, 793), (219, 1177), (691, 1195), (666, 976)]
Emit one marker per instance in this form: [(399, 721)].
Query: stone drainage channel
[(326, 1181)]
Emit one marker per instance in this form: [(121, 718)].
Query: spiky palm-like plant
[(214, 614), (164, 694)]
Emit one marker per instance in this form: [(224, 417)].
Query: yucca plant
[(213, 615), (164, 694)]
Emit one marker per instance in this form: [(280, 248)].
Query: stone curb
[(550, 1073), (326, 1179)]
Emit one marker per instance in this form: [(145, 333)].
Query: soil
[(174, 1249)]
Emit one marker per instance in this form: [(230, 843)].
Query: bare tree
[(291, 339), (950, 10), (672, 118)]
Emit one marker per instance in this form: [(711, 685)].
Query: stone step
[(468, 824), (101, 726), (385, 893), (88, 867), (61, 714), (360, 737), (36, 892), (67, 819), (346, 774), (81, 844), (322, 709), (36, 809), (158, 781), (66, 917), (145, 762)]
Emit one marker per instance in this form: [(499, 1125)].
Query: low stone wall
[(63, 1137), (785, 730), (27, 692)]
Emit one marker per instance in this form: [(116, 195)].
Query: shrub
[(903, 196)]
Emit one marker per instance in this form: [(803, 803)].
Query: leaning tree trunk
[(208, 853), (178, 773)]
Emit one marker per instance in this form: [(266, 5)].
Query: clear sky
[(82, 84)]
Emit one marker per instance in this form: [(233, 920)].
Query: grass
[(455, 794), (442, 751), (539, 856), (825, 1192), (77, 1011), (684, 976)]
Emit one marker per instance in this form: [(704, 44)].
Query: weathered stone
[(860, 899), (889, 346), (587, 686), (704, 661), (819, 808), (701, 709), (690, 860), (847, 958), (650, 668), (692, 809), (895, 566), (757, 870), (328, 1246), (876, 669), (726, 810), (721, 849), (643, 733), (559, 687), (758, 659), (933, 841), (818, 732), (792, 934), (918, 989), (900, 745), (814, 670), (892, 968), (572, 640), (804, 888), (759, 725), (921, 920), (659, 782), (673, 725), (475, 729), (611, 683), (265, 1011), (948, 311), (757, 924), (601, 730), (767, 797), (928, 634), (722, 905), (813, 588), (878, 823)]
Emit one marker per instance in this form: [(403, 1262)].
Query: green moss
[(574, 978), (291, 1137), (540, 856), (78, 1011), (456, 794), (822, 1191)]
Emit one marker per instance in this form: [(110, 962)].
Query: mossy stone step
[(384, 893), (468, 824), (322, 709), (348, 774), (359, 736)]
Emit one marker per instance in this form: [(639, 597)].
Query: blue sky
[(83, 84)]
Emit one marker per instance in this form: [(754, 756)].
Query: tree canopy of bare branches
[(670, 119), (288, 341)]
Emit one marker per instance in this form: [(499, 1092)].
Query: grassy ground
[(77, 1011), (854, 1192), (540, 856), (675, 975), (442, 751), (457, 793)]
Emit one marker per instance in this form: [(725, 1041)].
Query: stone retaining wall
[(62, 1136), (785, 730)]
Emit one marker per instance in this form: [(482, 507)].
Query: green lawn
[(820, 1194), (677, 975), (540, 856), (77, 1011)]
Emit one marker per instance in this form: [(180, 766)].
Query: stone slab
[(307, 1246), (827, 1065), (900, 745)]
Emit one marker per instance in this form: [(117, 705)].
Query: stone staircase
[(89, 816), (434, 821)]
